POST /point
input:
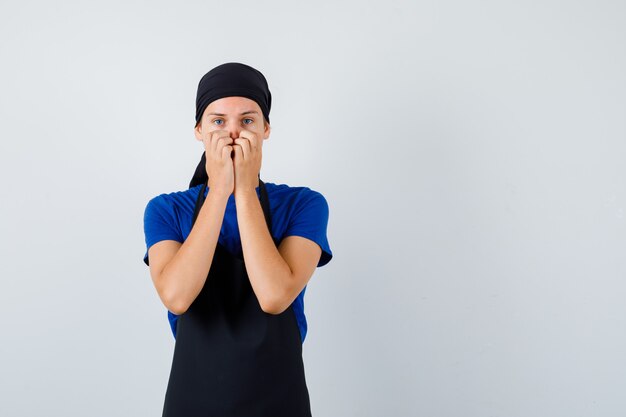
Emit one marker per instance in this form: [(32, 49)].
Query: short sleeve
[(310, 220), (159, 223)]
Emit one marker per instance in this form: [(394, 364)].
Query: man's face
[(233, 114)]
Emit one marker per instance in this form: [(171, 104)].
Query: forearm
[(268, 272), (186, 273)]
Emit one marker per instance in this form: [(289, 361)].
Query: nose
[(234, 130)]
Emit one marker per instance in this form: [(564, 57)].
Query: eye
[(251, 121), (218, 120)]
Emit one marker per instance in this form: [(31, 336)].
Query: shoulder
[(172, 201), (304, 213), (301, 206), (166, 214), (294, 196), (168, 210)]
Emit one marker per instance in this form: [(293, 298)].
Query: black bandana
[(233, 79), (226, 80)]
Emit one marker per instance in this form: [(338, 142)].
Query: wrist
[(245, 193), (219, 193)]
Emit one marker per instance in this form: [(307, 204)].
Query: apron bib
[(232, 359)]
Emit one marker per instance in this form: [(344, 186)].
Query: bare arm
[(178, 270), (277, 275)]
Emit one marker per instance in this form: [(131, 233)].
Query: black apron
[(230, 357)]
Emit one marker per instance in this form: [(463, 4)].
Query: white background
[(472, 155)]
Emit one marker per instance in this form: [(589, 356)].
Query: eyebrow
[(246, 112)]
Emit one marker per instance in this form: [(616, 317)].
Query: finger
[(252, 137), (226, 152), (245, 147), (206, 141), (218, 139), (215, 136), (238, 153), (221, 142)]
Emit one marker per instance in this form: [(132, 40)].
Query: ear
[(266, 131), (198, 131)]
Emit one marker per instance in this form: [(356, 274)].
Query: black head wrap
[(226, 80)]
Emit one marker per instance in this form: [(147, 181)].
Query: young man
[(230, 259)]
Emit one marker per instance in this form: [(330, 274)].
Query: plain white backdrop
[(472, 155)]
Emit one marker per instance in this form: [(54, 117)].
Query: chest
[(229, 233)]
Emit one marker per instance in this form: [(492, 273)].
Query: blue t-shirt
[(295, 211)]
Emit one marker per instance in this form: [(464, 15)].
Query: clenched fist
[(219, 161), (247, 160)]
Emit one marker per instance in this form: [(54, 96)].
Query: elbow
[(177, 309), (175, 304), (279, 299), (274, 305), (170, 296), (272, 308)]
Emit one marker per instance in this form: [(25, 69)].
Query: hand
[(219, 163), (247, 161)]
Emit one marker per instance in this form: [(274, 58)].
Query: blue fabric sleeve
[(310, 220), (159, 223)]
